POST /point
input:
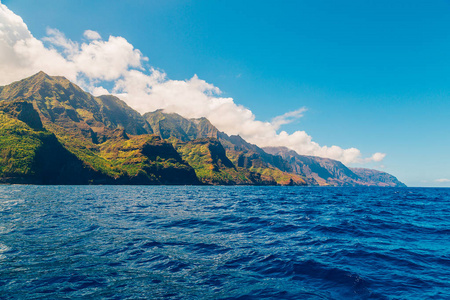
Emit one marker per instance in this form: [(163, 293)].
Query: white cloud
[(57, 39), (23, 55), (287, 118), (92, 35), (443, 180), (99, 91), (107, 60), (196, 98), (116, 61), (376, 157)]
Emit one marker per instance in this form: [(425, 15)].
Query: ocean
[(236, 242)]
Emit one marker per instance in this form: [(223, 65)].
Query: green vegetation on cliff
[(36, 156), (201, 144), (18, 146), (208, 158), (148, 158), (52, 132), (92, 131)]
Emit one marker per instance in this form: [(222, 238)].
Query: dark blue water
[(122, 242)]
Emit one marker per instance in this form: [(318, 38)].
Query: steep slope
[(145, 159), (374, 177), (325, 171), (208, 157), (52, 131), (245, 156), (63, 103), (119, 115), (169, 125), (249, 155), (94, 130), (29, 154)]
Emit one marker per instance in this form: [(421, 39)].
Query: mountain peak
[(38, 77), (37, 86), (41, 73), (60, 101), (41, 77)]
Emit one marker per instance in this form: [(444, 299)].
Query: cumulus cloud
[(377, 156), (194, 98), (22, 55), (92, 63), (92, 35)]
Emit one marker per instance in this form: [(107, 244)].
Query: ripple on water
[(167, 242)]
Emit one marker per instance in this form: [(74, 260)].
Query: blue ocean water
[(172, 242)]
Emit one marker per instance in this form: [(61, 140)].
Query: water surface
[(169, 242)]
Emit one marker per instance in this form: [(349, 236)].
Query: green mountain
[(325, 171), (30, 154), (251, 164), (374, 177), (212, 166), (168, 125), (106, 141), (52, 132), (66, 105), (112, 143)]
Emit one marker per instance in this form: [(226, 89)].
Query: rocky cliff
[(52, 132)]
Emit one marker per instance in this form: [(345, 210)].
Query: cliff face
[(325, 171), (52, 132), (69, 136), (378, 178), (30, 154), (169, 125), (22, 111), (65, 105), (251, 164), (212, 166), (279, 164)]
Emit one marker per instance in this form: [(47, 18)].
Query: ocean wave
[(169, 242)]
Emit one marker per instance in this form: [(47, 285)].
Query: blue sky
[(374, 75)]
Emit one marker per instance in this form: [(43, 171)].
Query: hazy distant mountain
[(52, 132), (325, 171), (378, 178)]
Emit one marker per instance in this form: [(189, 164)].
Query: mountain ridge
[(111, 143), (326, 171), (88, 128)]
